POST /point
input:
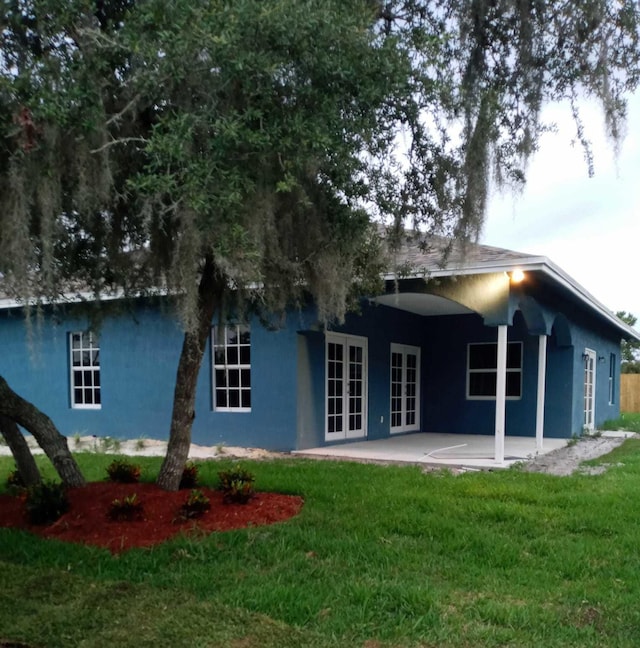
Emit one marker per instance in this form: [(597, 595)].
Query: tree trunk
[(19, 447), (45, 432), (193, 346)]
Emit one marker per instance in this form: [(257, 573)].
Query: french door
[(346, 387), (405, 388), (589, 388)]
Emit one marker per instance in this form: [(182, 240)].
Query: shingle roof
[(437, 254), (438, 257)]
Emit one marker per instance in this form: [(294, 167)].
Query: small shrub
[(108, 444), (189, 477), (236, 485), (14, 480), (196, 505), (126, 509), (123, 472), (46, 502)]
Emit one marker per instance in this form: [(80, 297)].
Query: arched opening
[(533, 316), (561, 332)]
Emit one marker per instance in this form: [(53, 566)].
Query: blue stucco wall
[(590, 338), (565, 377), (139, 354), (443, 342), (140, 351), (381, 326), (446, 406)]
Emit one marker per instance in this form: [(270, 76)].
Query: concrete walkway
[(455, 450)]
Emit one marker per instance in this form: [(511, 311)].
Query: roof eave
[(538, 263)]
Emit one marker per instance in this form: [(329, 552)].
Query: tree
[(14, 409), (25, 463), (629, 349), (236, 153)]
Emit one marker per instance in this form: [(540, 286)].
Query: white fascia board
[(562, 278), (528, 264), (71, 298)]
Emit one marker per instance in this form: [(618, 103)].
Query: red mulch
[(87, 521)]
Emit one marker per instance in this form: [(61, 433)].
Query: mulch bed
[(87, 520)]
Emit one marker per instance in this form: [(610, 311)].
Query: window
[(482, 371), (612, 378), (85, 370), (231, 347)]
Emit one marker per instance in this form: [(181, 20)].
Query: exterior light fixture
[(517, 275)]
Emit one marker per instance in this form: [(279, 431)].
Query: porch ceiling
[(422, 304)]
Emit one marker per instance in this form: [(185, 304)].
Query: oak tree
[(238, 153)]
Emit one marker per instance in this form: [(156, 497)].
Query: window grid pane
[(232, 367), (85, 370), (482, 370)]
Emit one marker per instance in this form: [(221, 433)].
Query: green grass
[(379, 557), (626, 421)]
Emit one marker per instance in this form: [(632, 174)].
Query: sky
[(590, 227)]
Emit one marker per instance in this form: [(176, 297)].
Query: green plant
[(196, 505), (46, 502), (76, 439), (106, 444), (189, 477), (628, 421), (109, 444), (140, 443), (14, 480), (126, 509), (123, 471), (236, 485), (527, 553)]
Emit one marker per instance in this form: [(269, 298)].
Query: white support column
[(501, 393), (542, 373)]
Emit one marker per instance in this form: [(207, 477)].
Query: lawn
[(380, 556)]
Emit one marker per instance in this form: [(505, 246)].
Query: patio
[(472, 451)]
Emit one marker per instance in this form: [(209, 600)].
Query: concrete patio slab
[(454, 450)]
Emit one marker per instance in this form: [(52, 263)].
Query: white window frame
[(227, 367), (87, 354), (590, 358), (612, 378), (486, 370)]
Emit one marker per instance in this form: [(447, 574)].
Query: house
[(494, 342)]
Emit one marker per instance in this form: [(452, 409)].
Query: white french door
[(589, 388), (405, 388), (346, 387)]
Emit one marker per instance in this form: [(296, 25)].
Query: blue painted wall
[(381, 326), (444, 406), (140, 350), (567, 379), (139, 355), (447, 408)]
